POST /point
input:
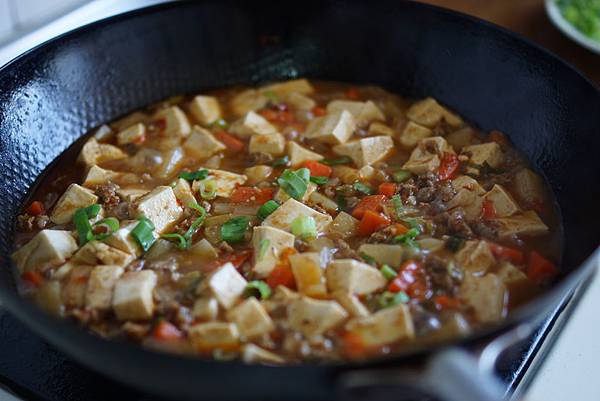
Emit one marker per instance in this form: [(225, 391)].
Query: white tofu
[(299, 101), (252, 124), (384, 253), (284, 215), (205, 109), (123, 241), (63, 271), (103, 133), (468, 197), (75, 290), (227, 285), (99, 253), (487, 296), (252, 353), (175, 121), (475, 257), (101, 285), (503, 203), (183, 192), (278, 240), (251, 319), (343, 226), (314, 317), (202, 144), (257, 174), (246, 101), (134, 134), (526, 223), (351, 303), (318, 199), (98, 176), (376, 128), (299, 155), (429, 112), (226, 182), (211, 335), (95, 153), (129, 120), (426, 156), (528, 186), (205, 309), (281, 196), (468, 183), (48, 248), (334, 129), (461, 138), (413, 133), (489, 153), (160, 207), (301, 86), (354, 277), (131, 194), (519, 286), (366, 151), (384, 327), (363, 112), (132, 299), (272, 144), (281, 298), (172, 160), (308, 273), (75, 197), (204, 250)]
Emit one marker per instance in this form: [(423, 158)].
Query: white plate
[(565, 26)]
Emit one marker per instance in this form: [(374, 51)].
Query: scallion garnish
[(293, 184), (194, 175), (181, 241), (319, 180), (368, 258), (234, 229), (142, 233), (83, 226), (388, 272), (197, 223), (337, 161), (409, 235), (111, 225), (303, 173), (401, 176), (263, 248), (360, 187), (281, 162), (304, 227), (266, 209), (258, 289), (207, 189), (219, 123), (92, 211), (398, 205), (388, 299), (271, 96)]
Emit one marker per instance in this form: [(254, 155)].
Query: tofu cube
[(212, 335), (281, 298), (299, 101), (468, 183), (314, 317), (486, 295), (131, 194), (277, 240), (503, 203), (160, 207), (272, 144), (429, 112), (95, 153), (251, 319), (363, 112), (75, 197), (351, 303), (252, 124), (475, 257), (461, 138), (48, 248), (366, 151), (334, 128), (205, 109), (101, 285), (227, 285), (489, 153), (301, 86), (286, 213), (528, 186), (175, 122), (413, 133), (172, 160), (308, 273), (526, 223), (129, 120), (98, 176), (384, 253), (519, 286), (205, 309), (99, 253), (75, 290), (469, 201), (132, 299), (354, 277), (254, 354), (134, 134), (202, 144), (343, 226), (384, 327), (258, 174), (183, 192), (246, 101), (281, 196), (426, 156), (376, 128), (299, 155), (123, 241), (226, 182)]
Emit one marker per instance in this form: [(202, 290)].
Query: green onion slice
[(92, 211), (304, 227), (293, 184), (283, 161), (303, 173), (197, 223), (319, 180), (258, 289), (234, 229), (337, 161), (194, 175), (388, 299), (388, 272), (111, 225), (207, 189), (263, 248), (368, 258), (401, 176), (181, 241), (266, 209), (83, 226), (219, 123), (409, 235), (365, 189), (398, 205), (142, 233)]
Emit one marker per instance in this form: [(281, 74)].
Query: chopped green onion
[(304, 227), (263, 248), (83, 226), (234, 229), (207, 189), (258, 289), (197, 223), (454, 243), (337, 161), (219, 123), (368, 258), (410, 235), (271, 96), (388, 299), (360, 187), (294, 185), (282, 161), (401, 176), (111, 224), (319, 180), (414, 223), (388, 272), (181, 241), (341, 202), (303, 173), (398, 205), (194, 175), (142, 233), (266, 209), (92, 211)]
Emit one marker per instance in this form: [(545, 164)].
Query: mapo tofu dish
[(296, 221)]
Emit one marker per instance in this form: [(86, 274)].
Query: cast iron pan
[(53, 94)]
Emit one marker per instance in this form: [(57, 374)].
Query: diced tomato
[(400, 229), (319, 111), (371, 222), (488, 211), (285, 117), (165, 331), (251, 194), (33, 278), (282, 273), (448, 166), (444, 302), (35, 209), (353, 345), (387, 189), (233, 144), (373, 203), (298, 127), (269, 114), (352, 93), (505, 253), (317, 169), (264, 195), (411, 279), (540, 269)]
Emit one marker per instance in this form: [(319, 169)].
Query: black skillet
[(53, 94)]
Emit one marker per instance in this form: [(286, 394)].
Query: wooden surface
[(528, 17)]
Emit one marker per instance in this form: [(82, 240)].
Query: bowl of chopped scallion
[(578, 19)]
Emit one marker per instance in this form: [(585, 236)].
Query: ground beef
[(257, 158), (443, 275), (26, 222), (383, 235), (107, 195), (487, 229), (344, 250), (452, 223)]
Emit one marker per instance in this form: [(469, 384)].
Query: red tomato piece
[(488, 211), (319, 111), (373, 203), (540, 269), (233, 144), (317, 169), (371, 222), (33, 278), (505, 253), (449, 166), (387, 189), (165, 331), (36, 208)]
